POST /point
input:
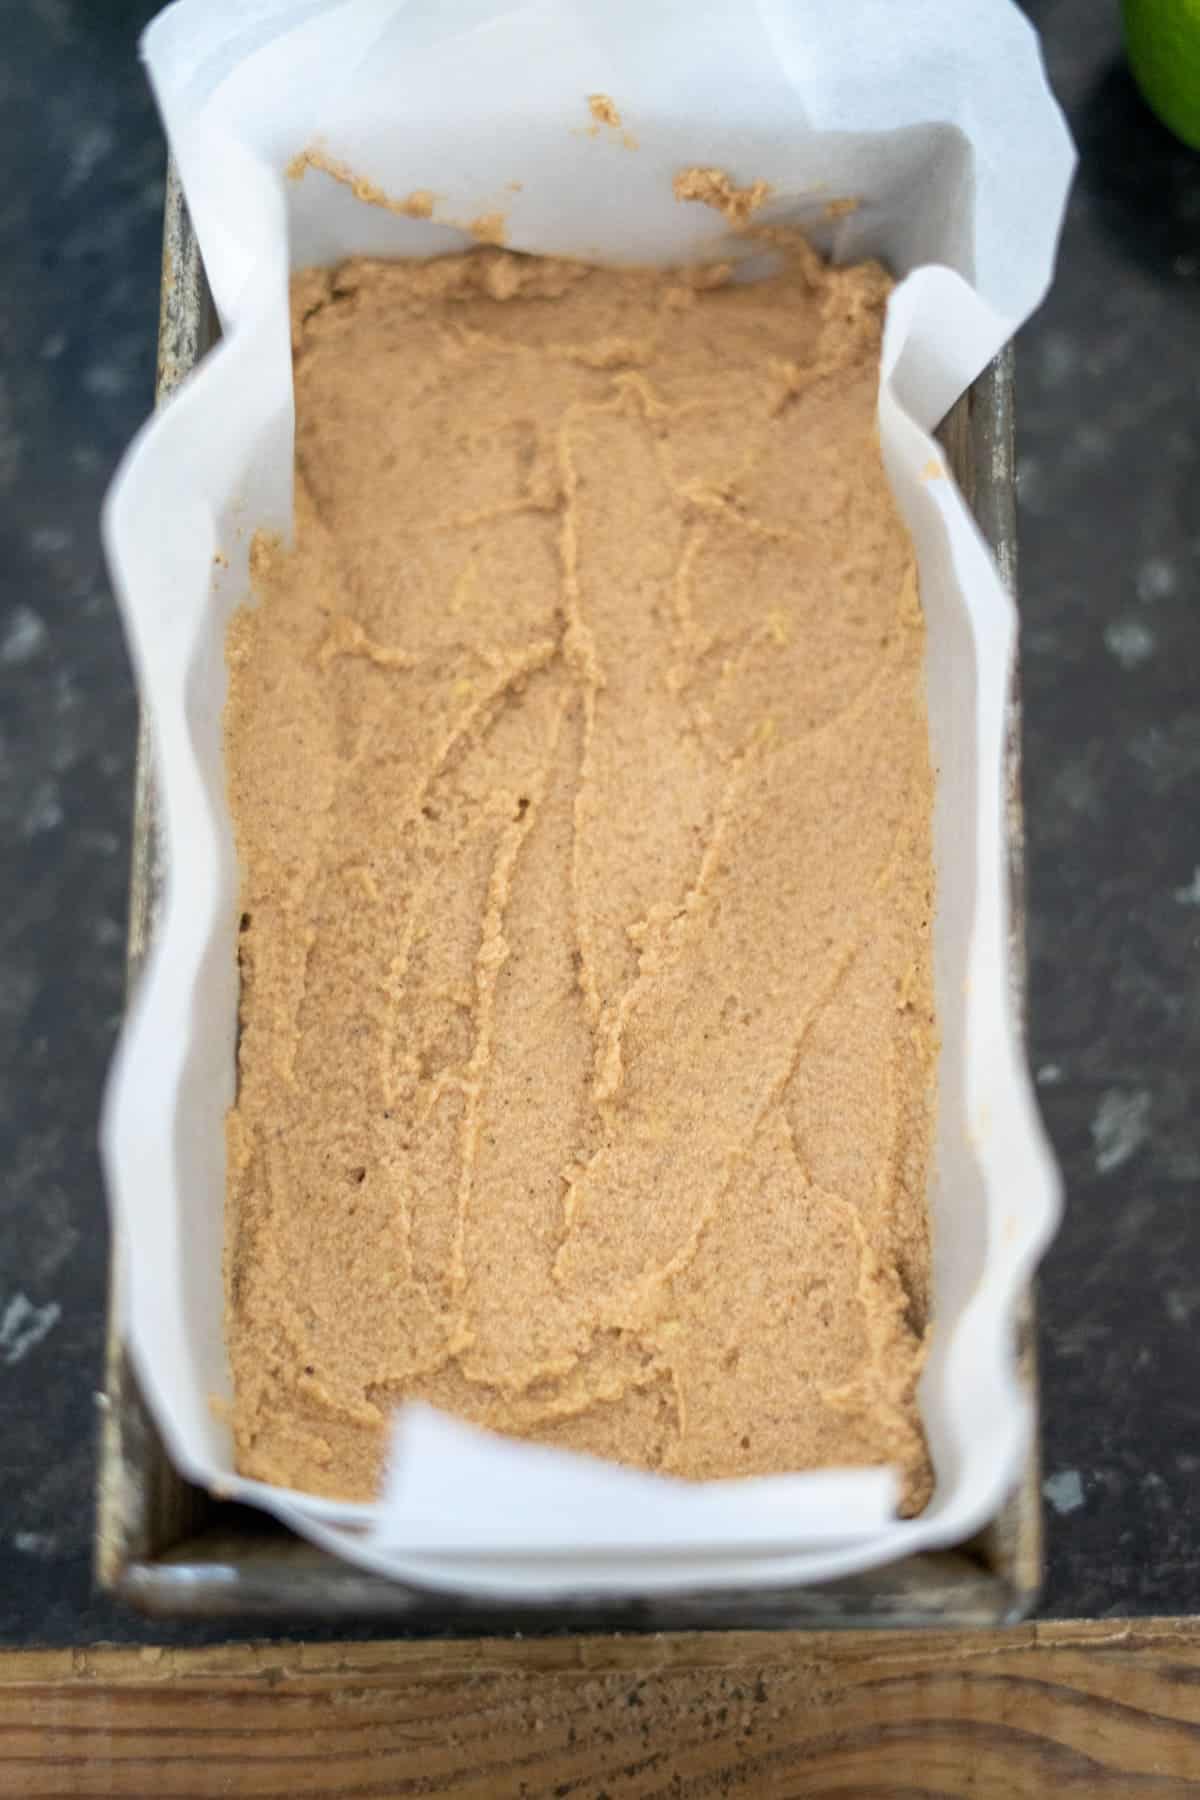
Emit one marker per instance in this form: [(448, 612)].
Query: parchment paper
[(933, 115)]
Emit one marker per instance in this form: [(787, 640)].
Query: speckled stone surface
[(80, 228), (1109, 441), (1109, 467)]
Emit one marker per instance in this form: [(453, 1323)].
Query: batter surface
[(580, 774)]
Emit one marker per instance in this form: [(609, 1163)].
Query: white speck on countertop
[(91, 146), (66, 695), (1033, 489), (49, 540), (1130, 641), (1058, 358), (1064, 1490), (99, 841), (1189, 894), (1156, 579), (1049, 1075), (34, 1543), (1088, 444), (1076, 786), (105, 380), (1181, 1304), (23, 1326), (1120, 1126), (24, 635), (44, 812)]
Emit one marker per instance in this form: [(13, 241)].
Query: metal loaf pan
[(172, 1551)]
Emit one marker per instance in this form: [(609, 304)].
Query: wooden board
[(1109, 1708)]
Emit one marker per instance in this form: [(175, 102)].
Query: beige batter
[(580, 774)]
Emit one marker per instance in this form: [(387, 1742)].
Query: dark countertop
[(1109, 442)]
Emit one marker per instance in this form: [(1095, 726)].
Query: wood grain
[(1057, 1709)]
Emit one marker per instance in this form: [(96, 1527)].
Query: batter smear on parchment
[(579, 767)]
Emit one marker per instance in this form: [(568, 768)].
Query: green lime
[(1163, 40)]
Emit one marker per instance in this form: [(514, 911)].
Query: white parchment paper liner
[(935, 117)]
